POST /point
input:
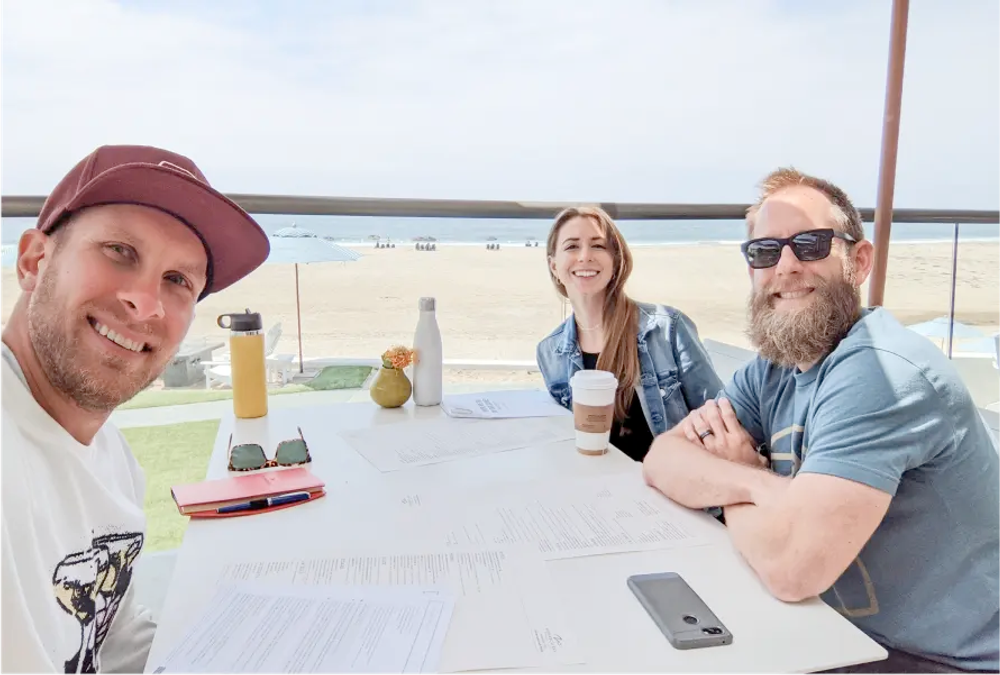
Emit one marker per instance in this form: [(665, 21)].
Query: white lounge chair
[(221, 370)]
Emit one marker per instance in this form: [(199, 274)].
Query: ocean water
[(365, 230)]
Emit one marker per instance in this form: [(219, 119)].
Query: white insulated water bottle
[(428, 369)]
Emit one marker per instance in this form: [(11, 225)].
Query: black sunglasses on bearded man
[(807, 246)]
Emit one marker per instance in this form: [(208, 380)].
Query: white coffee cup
[(593, 409)]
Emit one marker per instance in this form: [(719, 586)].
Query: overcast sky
[(616, 100)]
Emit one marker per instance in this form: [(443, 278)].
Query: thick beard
[(805, 335), (60, 357)]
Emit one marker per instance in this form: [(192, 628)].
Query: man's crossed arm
[(798, 534)]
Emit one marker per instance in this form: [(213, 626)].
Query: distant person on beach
[(849, 458), (125, 246), (662, 368)]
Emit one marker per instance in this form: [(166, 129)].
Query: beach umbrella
[(296, 231), (939, 329), (295, 245), (943, 328), (986, 345)]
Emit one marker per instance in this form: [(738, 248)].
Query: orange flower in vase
[(392, 388), (398, 357)]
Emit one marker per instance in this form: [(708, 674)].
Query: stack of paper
[(560, 518), (503, 404), (391, 447), (506, 614), (257, 628)]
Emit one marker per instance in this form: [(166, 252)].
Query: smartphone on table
[(681, 615)]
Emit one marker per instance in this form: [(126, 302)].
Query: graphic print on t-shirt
[(89, 586), (853, 594)]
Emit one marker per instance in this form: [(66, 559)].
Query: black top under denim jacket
[(632, 435), (675, 371)]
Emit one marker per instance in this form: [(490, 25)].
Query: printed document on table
[(501, 404), (391, 447), (506, 614), (270, 628), (565, 518)]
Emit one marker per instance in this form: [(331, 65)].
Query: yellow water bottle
[(246, 349)]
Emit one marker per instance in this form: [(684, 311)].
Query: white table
[(613, 630)]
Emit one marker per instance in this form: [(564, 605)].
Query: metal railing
[(17, 206)]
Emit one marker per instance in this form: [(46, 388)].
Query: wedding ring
[(705, 434)]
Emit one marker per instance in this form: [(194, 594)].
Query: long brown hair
[(620, 353)]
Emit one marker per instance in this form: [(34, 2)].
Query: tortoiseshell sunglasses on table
[(251, 456)]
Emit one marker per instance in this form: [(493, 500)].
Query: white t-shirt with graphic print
[(73, 528)]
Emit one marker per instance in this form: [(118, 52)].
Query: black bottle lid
[(241, 323)]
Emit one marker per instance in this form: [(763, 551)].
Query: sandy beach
[(497, 305)]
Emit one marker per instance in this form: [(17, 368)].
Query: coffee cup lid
[(594, 379)]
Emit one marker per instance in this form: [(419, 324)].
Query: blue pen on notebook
[(265, 503)]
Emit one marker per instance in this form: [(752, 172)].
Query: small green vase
[(391, 388)]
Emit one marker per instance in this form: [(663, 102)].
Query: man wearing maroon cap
[(126, 245)]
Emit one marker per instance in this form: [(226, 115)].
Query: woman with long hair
[(662, 367)]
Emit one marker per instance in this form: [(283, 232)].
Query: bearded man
[(848, 458), (125, 246)]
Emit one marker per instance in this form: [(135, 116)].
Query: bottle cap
[(241, 323), (427, 304)]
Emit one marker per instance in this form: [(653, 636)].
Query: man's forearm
[(695, 477), (759, 538), (761, 533)]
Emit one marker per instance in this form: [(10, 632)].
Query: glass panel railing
[(919, 292), (495, 300)]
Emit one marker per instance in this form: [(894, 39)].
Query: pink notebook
[(207, 496)]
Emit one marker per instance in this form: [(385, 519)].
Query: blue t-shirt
[(887, 409)]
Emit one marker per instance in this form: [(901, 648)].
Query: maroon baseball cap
[(139, 174)]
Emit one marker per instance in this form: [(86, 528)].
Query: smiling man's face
[(113, 298), (800, 310)]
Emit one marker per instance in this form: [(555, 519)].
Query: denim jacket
[(677, 375)]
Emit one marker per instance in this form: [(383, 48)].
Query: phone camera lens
[(712, 631), (690, 619)]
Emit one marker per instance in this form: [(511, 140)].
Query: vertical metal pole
[(890, 145), (954, 273), (298, 316)]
